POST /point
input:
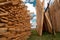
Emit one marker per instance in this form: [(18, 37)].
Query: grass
[(45, 36)]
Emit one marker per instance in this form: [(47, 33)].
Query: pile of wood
[(54, 11), (14, 21), (48, 20)]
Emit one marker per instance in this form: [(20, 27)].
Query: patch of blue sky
[(31, 2)]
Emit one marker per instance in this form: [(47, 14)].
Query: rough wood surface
[(48, 22), (3, 3), (40, 16), (55, 15), (14, 22)]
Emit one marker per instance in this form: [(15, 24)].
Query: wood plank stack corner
[(14, 22)]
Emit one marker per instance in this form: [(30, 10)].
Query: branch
[(5, 3)]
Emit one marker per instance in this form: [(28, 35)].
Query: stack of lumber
[(2, 1), (49, 19), (54, 11), (14, 22), (43, 19)]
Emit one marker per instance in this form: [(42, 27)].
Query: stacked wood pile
[(54, 11), (14, 21), (43, 19), (48, 19)]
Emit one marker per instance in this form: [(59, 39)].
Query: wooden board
[(48, 22), (55, 15), (40, 16)]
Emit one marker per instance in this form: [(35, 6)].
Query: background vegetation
[(45, 36)]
